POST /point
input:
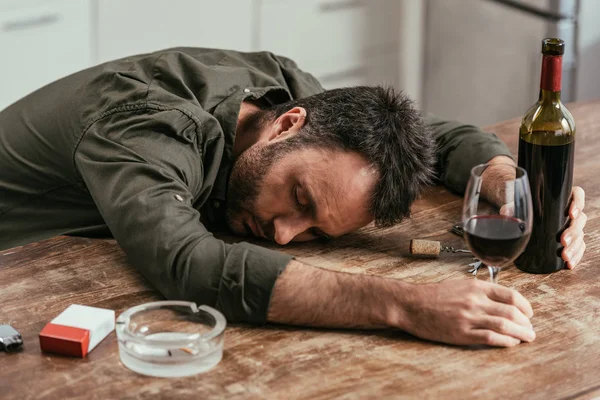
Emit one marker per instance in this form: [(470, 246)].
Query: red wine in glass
[(496, 239), (497, 214)]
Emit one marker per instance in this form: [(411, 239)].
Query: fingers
[(510, 313), (575, 229), (491, 338), (506, 327), (508, 209), (578, 201), (574, 260), (504, 318), (573, 240), (573, 249), (510, 297)]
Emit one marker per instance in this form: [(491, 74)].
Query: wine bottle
[(546, 146)]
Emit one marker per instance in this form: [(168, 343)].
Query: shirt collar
[(227, 113)]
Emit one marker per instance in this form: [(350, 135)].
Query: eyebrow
[(313, 208)]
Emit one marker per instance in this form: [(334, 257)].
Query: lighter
[(10, 339)]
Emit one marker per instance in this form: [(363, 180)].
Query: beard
[(246, 183)]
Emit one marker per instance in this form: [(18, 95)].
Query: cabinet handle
[(341, 5), (30, 23)]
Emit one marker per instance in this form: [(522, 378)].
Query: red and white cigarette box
[(77, 330)]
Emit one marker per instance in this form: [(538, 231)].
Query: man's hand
[(573, 237), (468, 312), (464, 312)]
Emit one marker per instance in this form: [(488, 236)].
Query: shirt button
[(246, 90), (178, 197), (216, 204)]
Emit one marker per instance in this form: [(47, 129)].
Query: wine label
[(551, 73)]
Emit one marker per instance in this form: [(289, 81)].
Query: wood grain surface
[(40, 280)]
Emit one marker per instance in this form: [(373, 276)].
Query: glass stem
[(494, 271)]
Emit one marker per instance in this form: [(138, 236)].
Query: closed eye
[(296, 199), (303, 203), (299, 204)]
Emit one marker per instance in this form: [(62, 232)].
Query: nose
[(287, 228)]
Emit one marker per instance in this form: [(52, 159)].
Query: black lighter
[(457, 230)]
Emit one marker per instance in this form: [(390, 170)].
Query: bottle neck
[(551, 79)]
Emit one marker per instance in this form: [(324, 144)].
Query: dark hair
[(381, 124)]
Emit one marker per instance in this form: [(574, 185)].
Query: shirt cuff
[(247, 282), (481, 151)]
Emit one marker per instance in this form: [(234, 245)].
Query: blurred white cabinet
[(41, 41), (483, 59), (374, 70), (342, 42), (127, 27)]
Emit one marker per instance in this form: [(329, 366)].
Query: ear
[(287, 124)]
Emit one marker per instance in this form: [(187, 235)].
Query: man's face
[(302, 195)]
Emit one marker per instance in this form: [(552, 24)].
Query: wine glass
[(497, 220)]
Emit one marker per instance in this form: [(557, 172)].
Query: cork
[(420, 247)]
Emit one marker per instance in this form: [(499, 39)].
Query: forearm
[(305, 295), (466, 311), (460, 148), (493, 188)]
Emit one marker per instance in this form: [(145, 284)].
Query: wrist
[(400, 303), (501, 160), (493, 186)]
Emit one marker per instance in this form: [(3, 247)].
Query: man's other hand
[(470, 312), (573, 237)]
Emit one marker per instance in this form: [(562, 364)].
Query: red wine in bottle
[(546, 146)]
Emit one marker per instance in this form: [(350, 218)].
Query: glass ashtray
[(170, 338)]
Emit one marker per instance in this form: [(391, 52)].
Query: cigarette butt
[(420, 247), (187, 350)]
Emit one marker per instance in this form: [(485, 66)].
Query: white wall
[(588, 82), (411, 25)]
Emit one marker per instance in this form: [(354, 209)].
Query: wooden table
[(40, 280)]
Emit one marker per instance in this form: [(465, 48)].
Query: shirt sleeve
[(144, 169), (460, 148)]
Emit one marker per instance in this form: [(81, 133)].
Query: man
[(160, 149)]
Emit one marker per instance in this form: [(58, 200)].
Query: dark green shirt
[(142, 148)]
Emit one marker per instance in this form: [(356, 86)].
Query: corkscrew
[(451, 249), (432, 248), (475, 266)]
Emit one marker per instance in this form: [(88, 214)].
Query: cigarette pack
[(77, 330)]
